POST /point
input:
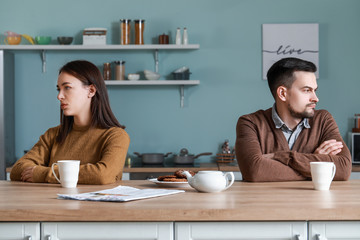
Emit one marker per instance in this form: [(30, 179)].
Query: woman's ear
[(92, 91), (282, 93)]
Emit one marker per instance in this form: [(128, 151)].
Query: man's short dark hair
[(282, 72)]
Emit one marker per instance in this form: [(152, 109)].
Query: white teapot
[(210, 181)]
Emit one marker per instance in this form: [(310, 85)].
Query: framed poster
[(290, 40)]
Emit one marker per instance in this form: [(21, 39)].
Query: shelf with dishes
[(102, 47), (151, 82), (151, 47), (98, 47)]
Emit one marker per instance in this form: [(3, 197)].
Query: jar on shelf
[(164, 39), (125, 28), (139, 31), (119, 70), (107, 71)]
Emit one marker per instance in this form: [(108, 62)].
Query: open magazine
[(119, 194)]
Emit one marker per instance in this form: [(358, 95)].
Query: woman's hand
[(27, 174)]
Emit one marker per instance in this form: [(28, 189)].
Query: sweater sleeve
[(38, 156), (111, 164), (301, 161), (253, 165)]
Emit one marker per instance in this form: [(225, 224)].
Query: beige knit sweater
[(101, 152)]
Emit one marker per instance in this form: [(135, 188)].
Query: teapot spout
[(188, 175)]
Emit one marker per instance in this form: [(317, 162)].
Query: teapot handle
[(229, 177)]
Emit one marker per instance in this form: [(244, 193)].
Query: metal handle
[(298, 237), (29, 237), (48, 237), (319, 237)]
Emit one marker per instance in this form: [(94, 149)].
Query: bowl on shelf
[(42, 40), (182, 73), (13, 40), (149, 75), (133, 76), (64, 40)]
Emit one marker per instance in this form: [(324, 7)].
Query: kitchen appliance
[(94, 36), (354, 140), (185, 158), (152, 158)]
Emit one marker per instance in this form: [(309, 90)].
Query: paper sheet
[(119, 194)]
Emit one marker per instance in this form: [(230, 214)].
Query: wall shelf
[(152, 82), (101, 47), (180, 83), (44, 48), (153, 47)]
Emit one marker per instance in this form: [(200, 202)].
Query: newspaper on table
[(119, 194)]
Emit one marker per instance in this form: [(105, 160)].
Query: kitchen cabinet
[(107, 230), (20, 230), (302, 230), (334, 230), (240, 230)]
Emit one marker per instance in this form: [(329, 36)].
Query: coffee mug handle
[(52, 168), (231, 178), (334, 171)]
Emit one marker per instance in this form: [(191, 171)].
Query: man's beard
[(301, 115)]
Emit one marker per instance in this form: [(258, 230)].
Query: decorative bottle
[(185, 37), (178, 37)]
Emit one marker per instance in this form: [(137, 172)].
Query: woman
[(88, 132)]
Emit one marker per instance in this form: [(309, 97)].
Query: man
[(279, 143)]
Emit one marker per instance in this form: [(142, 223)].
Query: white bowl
[(133, 76), (149, 75)]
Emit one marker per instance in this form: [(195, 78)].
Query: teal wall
[(228, 64)]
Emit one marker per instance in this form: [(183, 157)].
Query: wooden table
[(282, 201)]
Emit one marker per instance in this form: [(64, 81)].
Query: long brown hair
[(101, 113)]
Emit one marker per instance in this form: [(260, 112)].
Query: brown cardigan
[(101, 152), (257, 135)]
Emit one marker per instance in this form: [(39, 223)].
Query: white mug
[(322, 174), (69, 172)]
